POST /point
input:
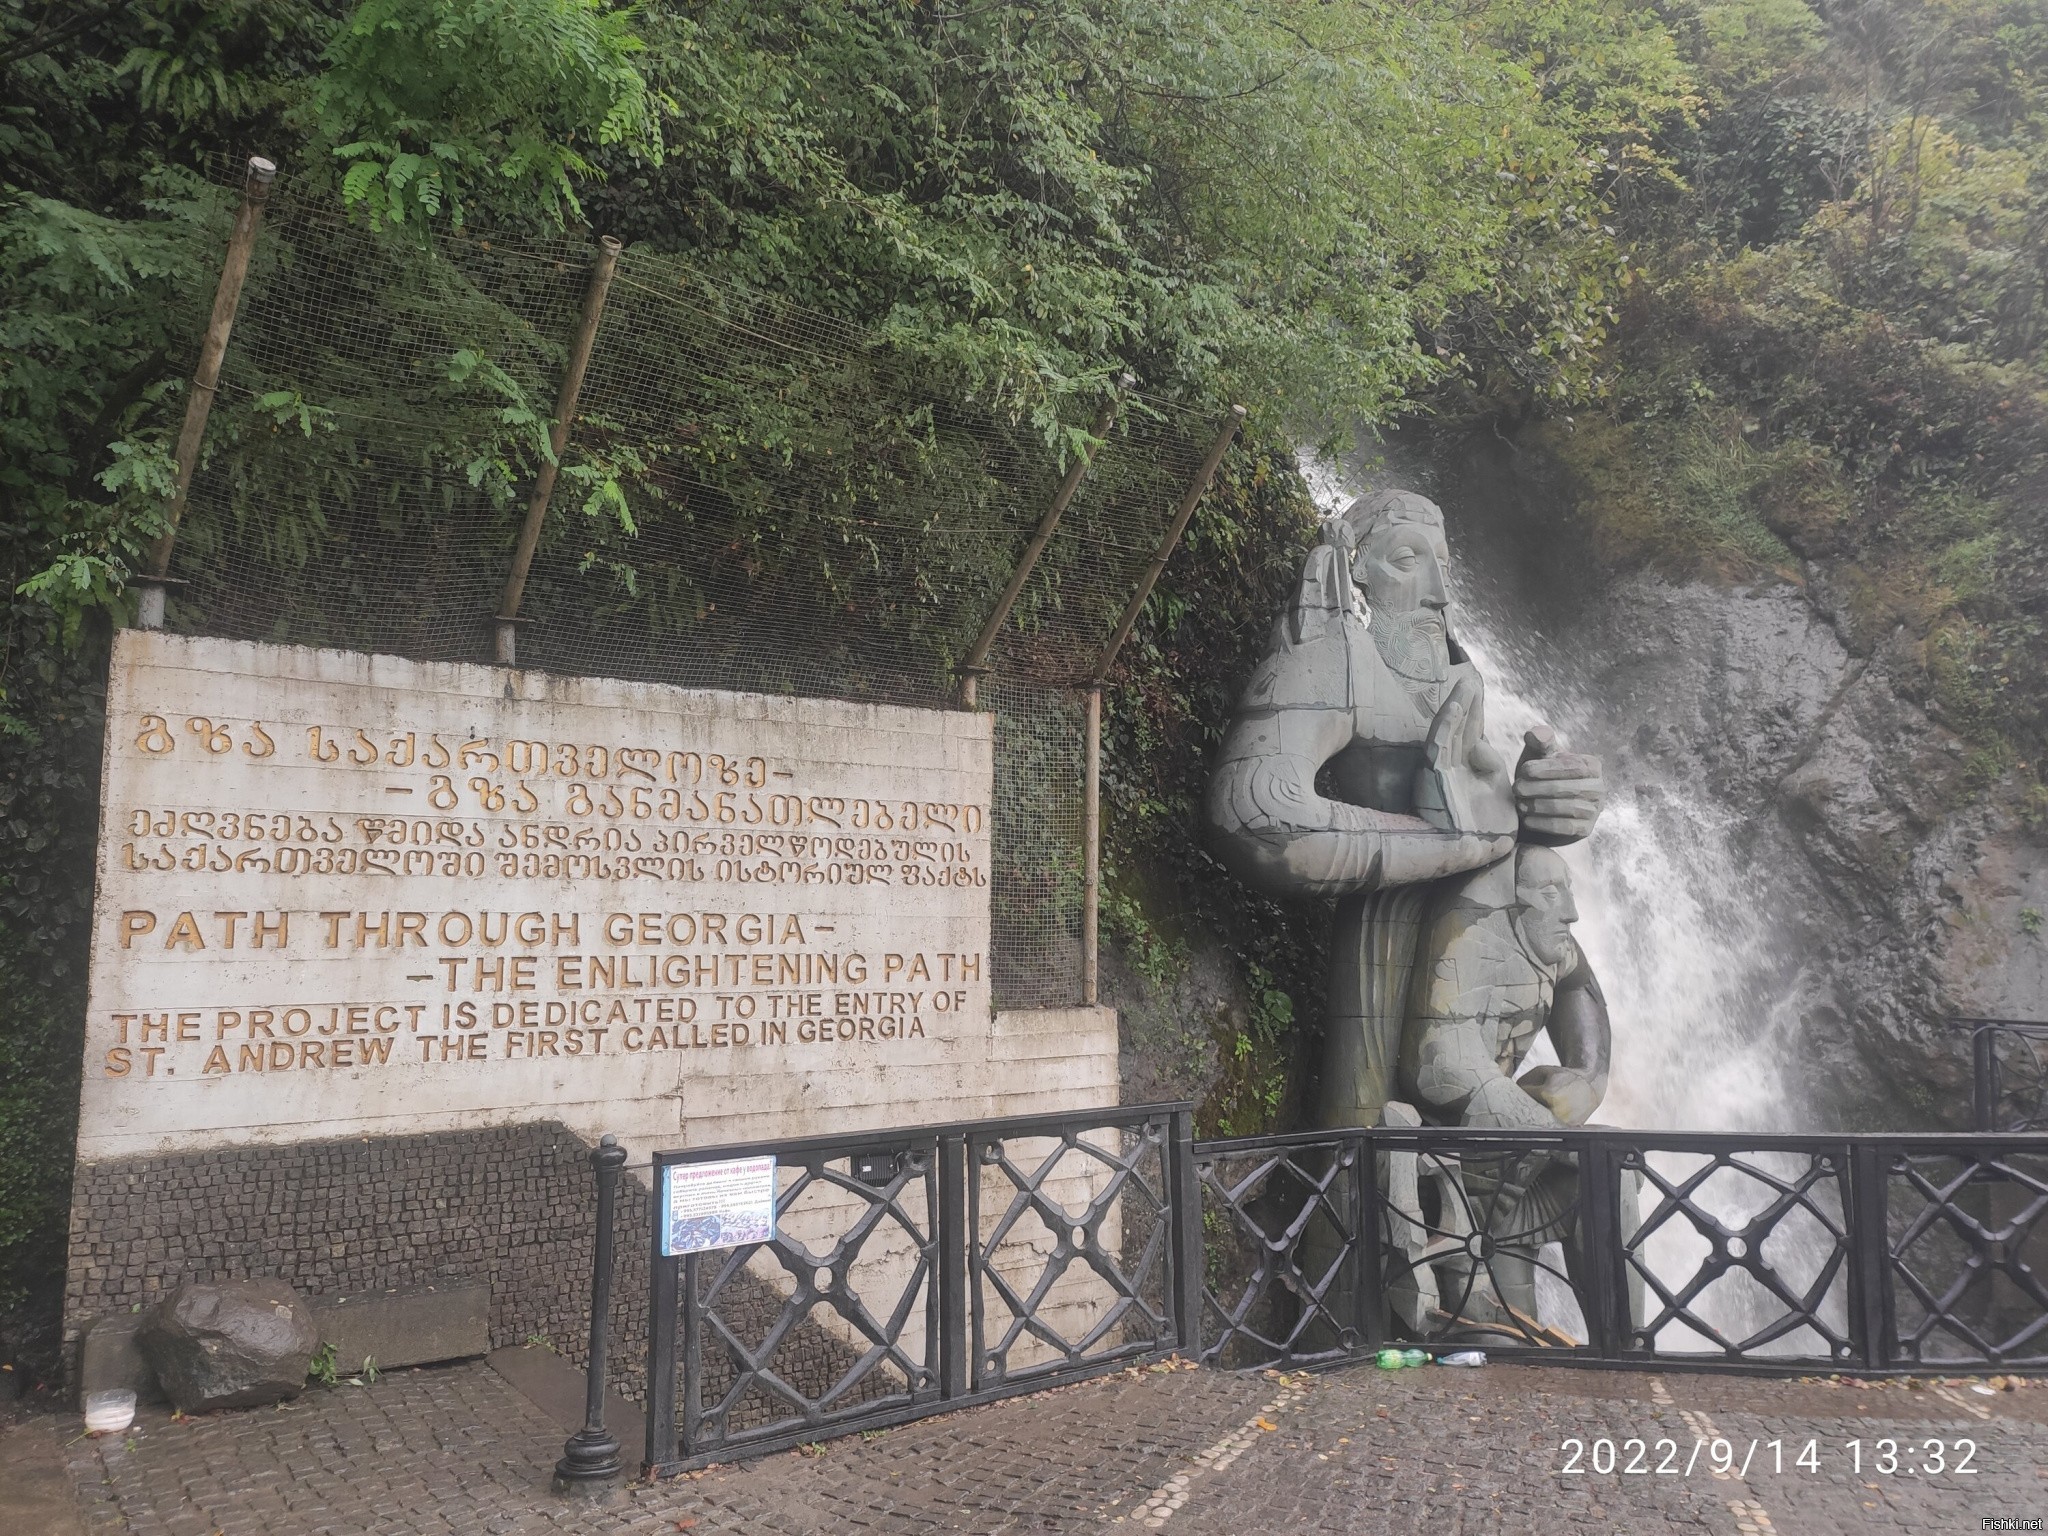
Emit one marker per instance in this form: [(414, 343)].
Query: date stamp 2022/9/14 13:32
[(1883, 1456)]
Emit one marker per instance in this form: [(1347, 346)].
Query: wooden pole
[(1167, 543), (558, 440), (976, 663), (227, 298), (1091, 854), (1091, 785)]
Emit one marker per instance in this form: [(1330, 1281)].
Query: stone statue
[(1356, 766)]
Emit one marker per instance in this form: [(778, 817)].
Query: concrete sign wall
[(344, 895)]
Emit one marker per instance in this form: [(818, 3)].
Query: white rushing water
[(1698, 989)]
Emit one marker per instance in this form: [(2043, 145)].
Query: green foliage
[(1837, 359), (323, 1371), (431, 106), (1197, 639)]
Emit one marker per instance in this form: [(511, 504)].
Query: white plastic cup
[(108, 1413)]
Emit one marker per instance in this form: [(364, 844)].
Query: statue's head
[(1400, 560), (1544, 909)]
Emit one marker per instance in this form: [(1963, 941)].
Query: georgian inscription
[(354, 889)]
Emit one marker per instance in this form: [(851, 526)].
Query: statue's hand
[(1461, 784), (1558, 793), (1566, 1092)]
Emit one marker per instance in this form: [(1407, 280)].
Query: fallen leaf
[(1265, 1424)]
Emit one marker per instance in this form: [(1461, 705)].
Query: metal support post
[(1984, 1076), (1870, 1254), (558, 441), (1091, 809), (1091, 853), (227, 298), (1603, 1262), (1167, 543), (953, 1240), (591, 1455), (976, 665), (1368, 1301), (1184, 1189)]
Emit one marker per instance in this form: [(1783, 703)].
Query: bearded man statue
[(1356, 766)]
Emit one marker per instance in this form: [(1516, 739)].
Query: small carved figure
[(1498, 967)]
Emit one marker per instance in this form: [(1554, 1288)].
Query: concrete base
[(110, 1360), (36, 1497), (420, 1325), (556, 1387)]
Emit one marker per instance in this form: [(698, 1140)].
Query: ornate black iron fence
[(911, 1271), (2008, 1073), (1775, 1253), (915, 1270)]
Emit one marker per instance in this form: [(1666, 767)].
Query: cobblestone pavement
[(1194, 1453)]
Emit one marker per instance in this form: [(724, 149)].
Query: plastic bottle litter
[(1389, 1360), (1463, 1357), (108, 1413), (1413, 1357)]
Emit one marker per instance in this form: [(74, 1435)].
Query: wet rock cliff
[(1894, 881)]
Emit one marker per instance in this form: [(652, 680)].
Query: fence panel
[(1731, 1251), (1966, 1250), (912, 1270), (1737, 1252), (1286, 1222), (833, 1322), (1072, 1223)]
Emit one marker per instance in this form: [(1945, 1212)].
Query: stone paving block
[(457, 1451)]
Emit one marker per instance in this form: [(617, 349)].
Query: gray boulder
[(235, 1345)]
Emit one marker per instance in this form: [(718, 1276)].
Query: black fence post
[(1368, 1302), (693, 1352), (954, 1237), (1184, 1189), (1602, 1261), (1870, 1253), (661, 1338), (1984, 1077), (591, 1455)]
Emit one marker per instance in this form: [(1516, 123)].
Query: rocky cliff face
[(1897, 889)]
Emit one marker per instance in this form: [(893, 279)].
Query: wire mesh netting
[(755, 496)]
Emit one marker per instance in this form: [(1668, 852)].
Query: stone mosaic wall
[(513, 1207)]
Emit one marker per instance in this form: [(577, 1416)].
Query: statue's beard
[(1412, 644)]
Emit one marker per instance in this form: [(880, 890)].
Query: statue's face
[(1544, 909), (1401, 566)]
